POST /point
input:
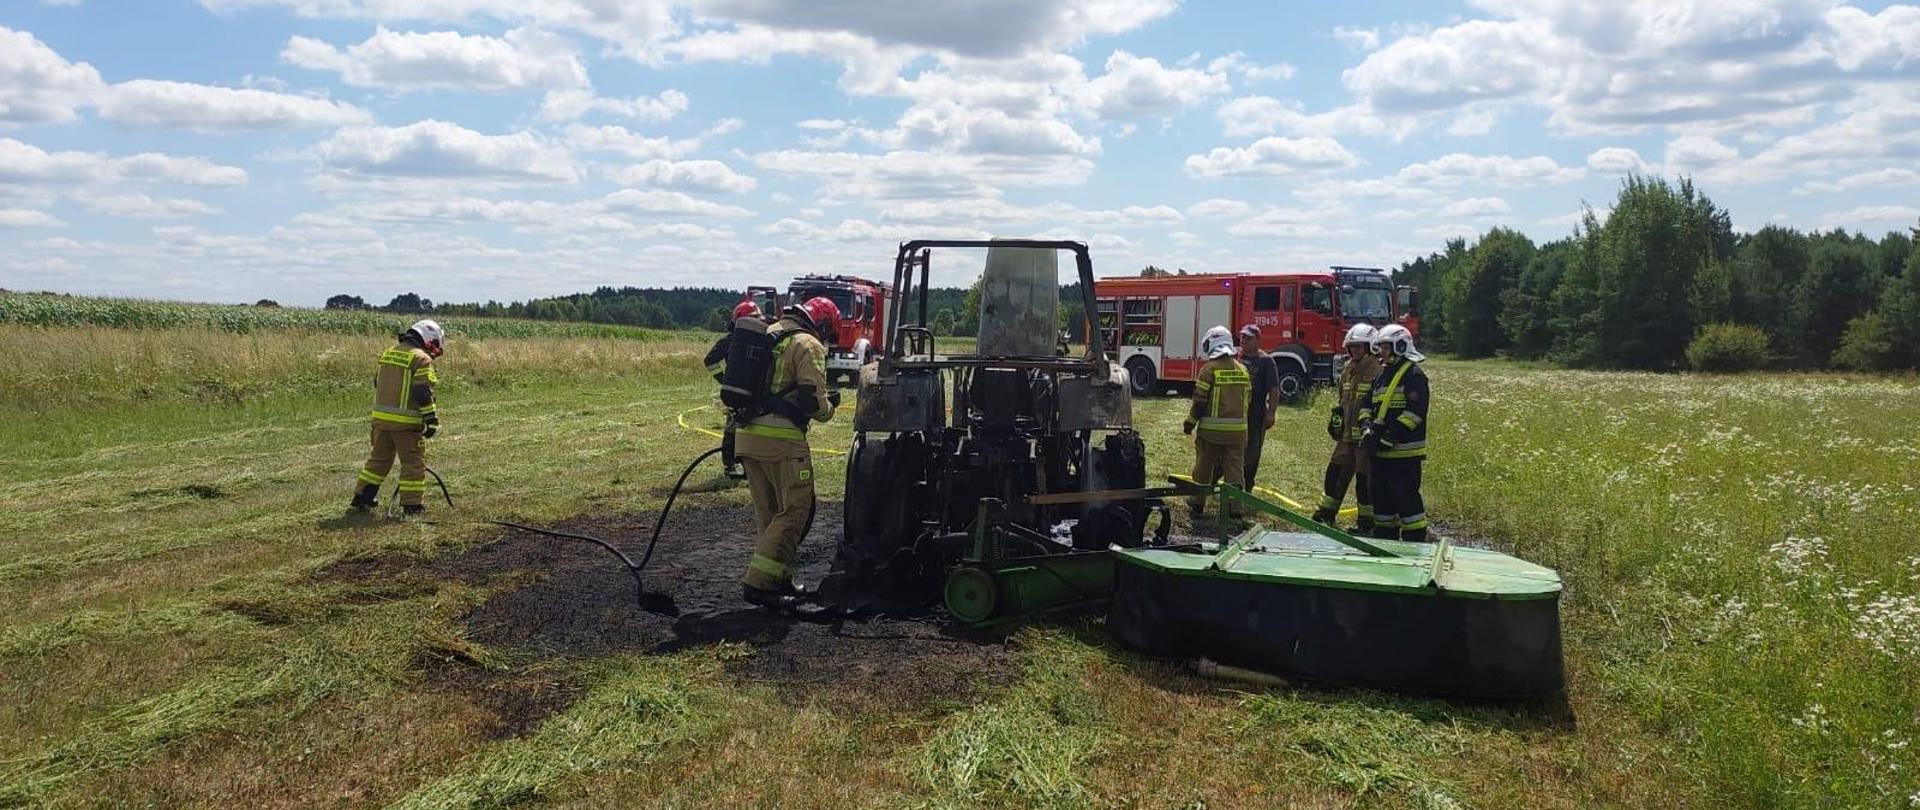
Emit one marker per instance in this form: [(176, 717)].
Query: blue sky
[(230, 150)]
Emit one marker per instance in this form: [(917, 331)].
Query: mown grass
[(163, 643)]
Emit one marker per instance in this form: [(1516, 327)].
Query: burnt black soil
[(563, 598)]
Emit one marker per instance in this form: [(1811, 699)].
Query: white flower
[(1799, 556)]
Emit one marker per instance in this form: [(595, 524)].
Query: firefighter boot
[(788, 599), (412, 510), (364, 499), (1324, 516)]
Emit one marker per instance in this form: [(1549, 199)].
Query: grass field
[(1742, 618)]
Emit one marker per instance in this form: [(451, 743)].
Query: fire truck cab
[(863, 319), (1153, 325)]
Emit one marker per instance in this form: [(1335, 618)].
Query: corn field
[(41, 310)]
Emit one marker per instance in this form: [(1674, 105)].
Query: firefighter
[(1218, 419), (404, 417), (1349, 464), (773, 446), (1396, 434), (717, 366), (1264, 399)]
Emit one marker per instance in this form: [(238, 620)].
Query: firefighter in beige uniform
[(1349, 464), (404, 417), (773, 448), (1218, 420)]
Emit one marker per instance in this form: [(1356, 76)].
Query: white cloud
[(1260, 115), (622, 141), (1248, 70), (916, 174), (207, 108), (1288, 223), (1219, 208), (572, 104), (671, 203), (37, 85), (141, 206), (1364, 39), (1136, 86), (1704, 158), (1272, 156), (437, 149), (1872, 213), (1476, 208), (632, 26), (1617, 160), (28, 218), (446, 60), (1458, 169), (996, 28), (696, 175), (1880, 178), (26, 164)]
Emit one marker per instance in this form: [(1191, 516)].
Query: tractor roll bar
[(919, 252)]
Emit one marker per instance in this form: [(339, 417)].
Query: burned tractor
[(970, 473)]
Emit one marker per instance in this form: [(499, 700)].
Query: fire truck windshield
[(1367, 302), (841, 298)]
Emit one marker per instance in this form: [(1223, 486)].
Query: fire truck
[(863, 316), (1153, 325)]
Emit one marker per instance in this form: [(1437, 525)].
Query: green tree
[(1837, 288), (1653, 245), (1526, 308), (1767, 266), (1474, 290), (944, 321)]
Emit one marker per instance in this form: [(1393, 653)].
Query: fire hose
[(656, 603)]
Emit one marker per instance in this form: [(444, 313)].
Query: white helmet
[(430, 335), (1397, 338), (1218, 343), (1360, 333)]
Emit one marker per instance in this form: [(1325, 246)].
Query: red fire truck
[(863, 316), (1154, 325)]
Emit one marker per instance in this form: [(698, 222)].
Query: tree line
[(1665, 282)]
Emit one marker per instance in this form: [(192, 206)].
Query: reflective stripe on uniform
[(395, 357), (1236, 424), (1382, 401), (772, 431), (1386, 521), (1410, 419), (411, 486), (1328, 502), (398, 416), (371, 478), (1414, 521), (1404, 450), (768, 565)]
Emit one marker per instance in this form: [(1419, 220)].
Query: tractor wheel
[(1141, 377)]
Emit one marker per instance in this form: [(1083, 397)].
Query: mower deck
[(1420, 617)]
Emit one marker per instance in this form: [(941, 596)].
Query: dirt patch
[(565, 598)]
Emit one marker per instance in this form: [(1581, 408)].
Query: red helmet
[(746, 309), (820, 312)]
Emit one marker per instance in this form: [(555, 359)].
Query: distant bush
[(1868, 345), (1728, 347)]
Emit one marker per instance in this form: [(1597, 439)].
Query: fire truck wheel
[(1141, 377), (1292, 383)]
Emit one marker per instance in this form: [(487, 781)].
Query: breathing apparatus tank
[(749, 375)]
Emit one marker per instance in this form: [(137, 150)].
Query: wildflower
[(1799, 556), (1814, 719)]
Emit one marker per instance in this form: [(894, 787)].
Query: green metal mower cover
[(1322, 605)]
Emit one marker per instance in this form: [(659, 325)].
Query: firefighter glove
[(833, 397), (1187, 427), (432, 426), (1333, 425)]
